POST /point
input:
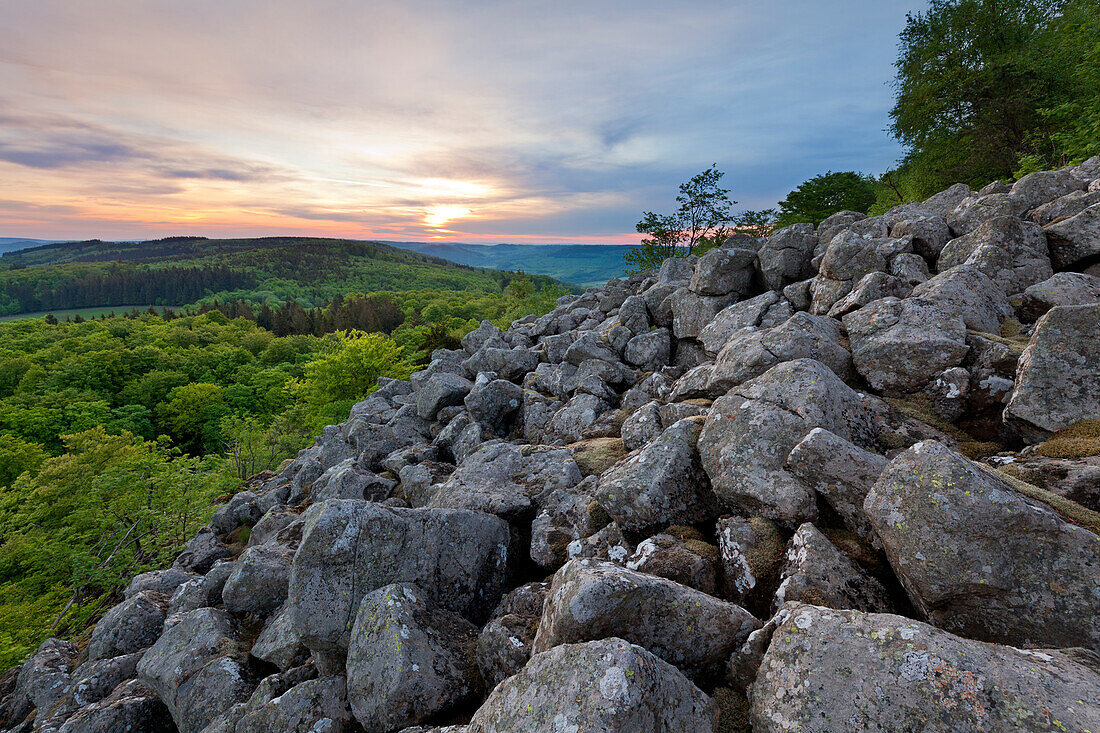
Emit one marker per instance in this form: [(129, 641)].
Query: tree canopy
[(824, 195)]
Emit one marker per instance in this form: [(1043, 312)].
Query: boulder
[(944, 202), (650, 350), (979, 559), (1071, 204), (504, 645), (565, 516), (1063, 288), (259, 581), (313, 706), (593, 599), (494, 403), (1057, 381), (691, 312), (578, 419), (193, 668), (278, 643), (847, 670), (849, 258), (201, 552), (817, 572), (642, 426), (679, 554), (589, 345), (841, 472), (870, 288), (966, 292), (1075, 241), (409, 659), (899, 345), (1040, 187), (751, 551), (676, 270), (1010, 252), (206, 591), (95, 680), (786, 254), (486, 334), (346, 480), (605, 685), (131, 707), (350, 548), (723, 271), (129, 627), (928, 232), (973, 210), (441, 390), (43, 681), (750, 431), (159, 581), (511, 364), (661, 484), (764, 311)]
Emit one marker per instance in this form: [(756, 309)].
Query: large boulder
[(504, 644), (159, 581), (692, 312), (968, 293), (1064, 288), (751, 553), (786, 255), (848, 259), (259, 580), (981, 560), (194, 669), (313, 706), (899, 345), (278, 643), (353, 547), (764, 311), (409, 659), (1057, 381), (42, 681), (1010, 252), (661, 484), (845, 670), (606, 685), (441, 390), (817, 572), (592, 599), (723, 271), (129, 627), (1076, 240), (750, 431), (131, 707), (1040, 187)]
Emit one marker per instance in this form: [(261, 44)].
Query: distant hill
[(11, 244), (182, 270), (583, 264)]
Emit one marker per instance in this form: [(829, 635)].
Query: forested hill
[(584, 264), (182, 270)]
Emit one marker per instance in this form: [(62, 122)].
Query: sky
[(474, 121)]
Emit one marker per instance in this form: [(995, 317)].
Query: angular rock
[(206, 591), (605, 685), (979, 559), (43, 680), (1057, 382), (751, 551), (278, 643), (968, 293), (409, 659), (201, 552), (129, 627), (441, 390), (159, 581), (504, 645), (691, 312), (889, 673), (353, 547), (817, 572), (1076, 240), (191, 669), (749, 433), (495, 403), (661, 484), (312, 706), (680, 555), (589, 345), (131, 707), (649, 351), (565, 516), (346, 480), (259, 580), (486, 334), (95, 680), (642, 426), (841, 472), (723, 271), (1064, 288), (899, 345), (786, 254), (1011, 253), (593, 599), (511, 364)]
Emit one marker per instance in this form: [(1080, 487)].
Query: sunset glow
[(478, 122)]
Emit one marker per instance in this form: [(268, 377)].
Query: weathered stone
[(750, 431), (278, 643), (592, 599), (817, 572), (511, 364), (661, 484), (841, 472), (605, 685), (849, 258), (872, 287), (899, 345), (313, 706), (786, 254), (131, 707), (159, 581), (929, 234), (486, 334), (1075, 240), (495, 403), (353, 547), (204, 592), (441, 390), (968, 293), (409, 659), (981, 560), (973, 210), (259, 580), (129, 627), (607, 544), (1057, 382), (277, 518), (747, 313), (723, 271), (346, 480), (1011, 253), (650, 350), (589, 345), (95, 679), (192, 669), (1042, 186), (565, 516), (43, 680), (1064, 288), (680, 557), (691, 312), (1071, 204), (504, 645), (642, 426), (751, 551), (201, 552), (846, 670), (576, 420)]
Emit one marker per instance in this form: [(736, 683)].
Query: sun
[(437, 216)]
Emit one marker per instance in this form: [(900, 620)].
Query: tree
[(755, 223), (702, 218), (824, 195), (970, 83)]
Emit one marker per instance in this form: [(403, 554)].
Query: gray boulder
[(1010, 252), (979, 559), (494, 403), (510, 364), (158, 581), (929, 233), (441, 390), (750, 431), (129, 627), (278, 643), (786, 254), (409, 659), (206, 591), (131, 707), (576, 419), (817, 572), (1075, 240), (313, 706), (723, 271), (346, 480), (650, 350), (871, 287), (661, 484), (593, 599), (1071, 204), (845, 670), (973, 210), (96, 679), (259, 580), (841, 472), (606, 685), (353, 547), (1064, 288), (681, 555), (1057, 382), (764, 311), (849, 258), (201, 552), (968, 293), (642, 426), (486, 334), (194, 670), (899, 345), (504, 645), (944, 202), (589, 345), (751, 552), (565, 516), (43, 681), (1042, 186), (692, 312)]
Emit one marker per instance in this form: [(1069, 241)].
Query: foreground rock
[(607, 685), (981, 560), (350, 548), (844, 670), (590, 599)]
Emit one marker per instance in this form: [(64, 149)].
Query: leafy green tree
[(702, 218), (18, 455), (755, 223), (824, 195), (192, 415)]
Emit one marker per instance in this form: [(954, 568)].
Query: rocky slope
[(730, 495)]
